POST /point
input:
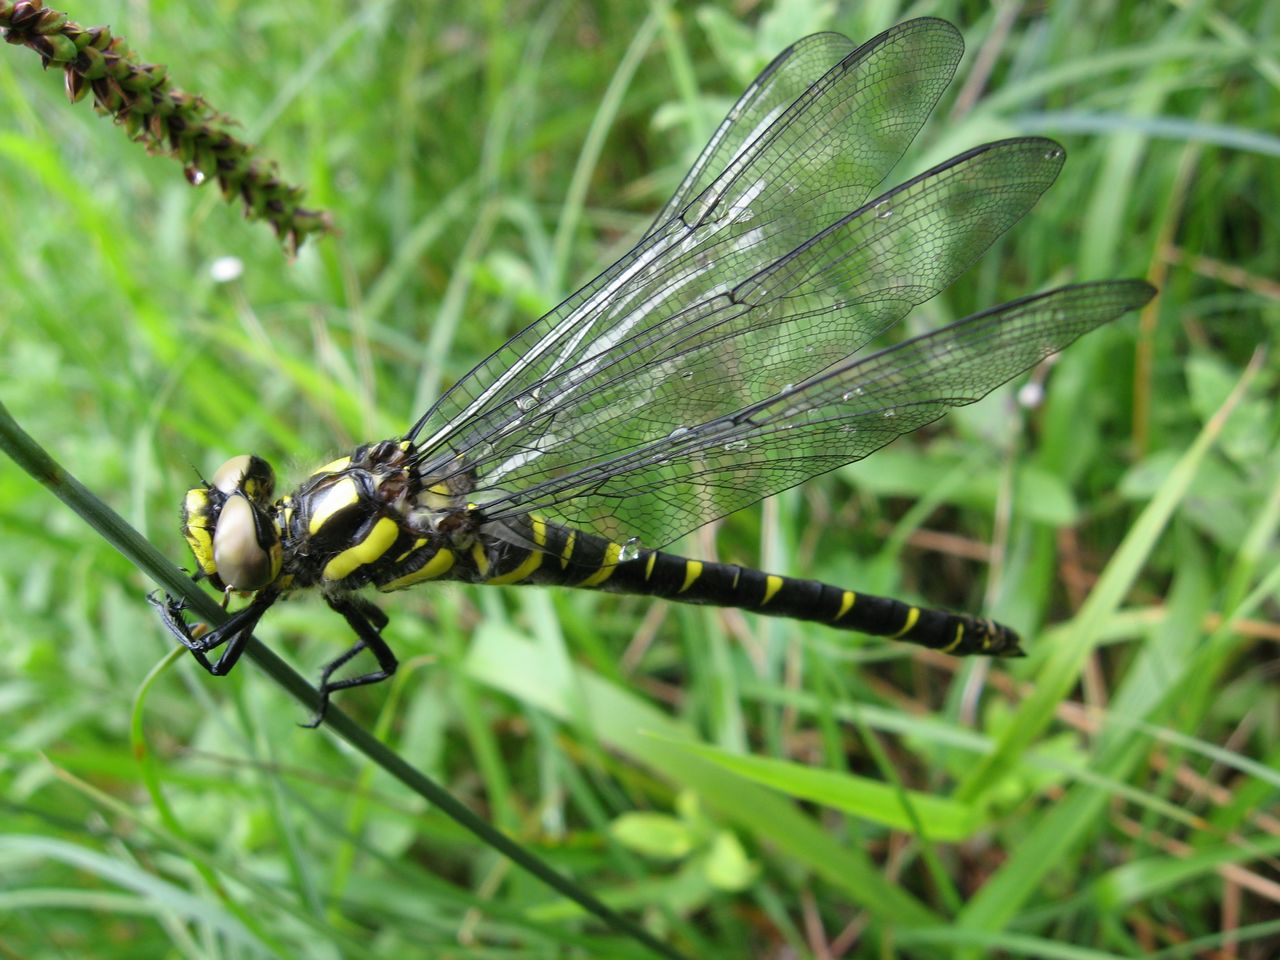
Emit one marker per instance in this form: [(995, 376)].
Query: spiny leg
[(235, 633), (367, 621)]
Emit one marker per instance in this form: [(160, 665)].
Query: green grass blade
[(1037, 854), (24, 451)]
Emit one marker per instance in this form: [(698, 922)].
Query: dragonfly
[(729, 355)]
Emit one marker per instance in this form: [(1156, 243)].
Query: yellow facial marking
[(913, 615), (846, 604), (567, 552), (772, 584), (371, 548), (608, 565), (341, 494), (202, 549), (437, 566), (276, 552), (692, 571), (648, 567), (197, 503), (195, 508)]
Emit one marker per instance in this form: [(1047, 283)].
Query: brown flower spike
[(167, 120)]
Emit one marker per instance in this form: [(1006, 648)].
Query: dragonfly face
[(230, 527), (726, 357)]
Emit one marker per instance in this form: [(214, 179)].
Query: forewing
[(779, 85), (816, 161), (808, 311), (660, 492)]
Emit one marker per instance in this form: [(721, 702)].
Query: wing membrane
[(819, 159), (808, 310), (779, 85), (663, 491), (718, 361)]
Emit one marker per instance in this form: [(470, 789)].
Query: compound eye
[(246, 545), (246, 472)]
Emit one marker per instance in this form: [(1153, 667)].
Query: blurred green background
[(744, 787)]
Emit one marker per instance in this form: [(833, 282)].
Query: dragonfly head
[(229, 525)]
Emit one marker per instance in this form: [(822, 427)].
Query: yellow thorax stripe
[(420, 542), (437, 566), (333, 466), (368, 550), (340, 495)]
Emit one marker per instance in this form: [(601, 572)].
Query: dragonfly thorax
[(363, 518)]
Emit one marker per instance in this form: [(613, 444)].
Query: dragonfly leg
[(235, 633), (367, 621)]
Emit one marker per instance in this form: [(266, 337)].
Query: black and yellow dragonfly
[(724, 358)]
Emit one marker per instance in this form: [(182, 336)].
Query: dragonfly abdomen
[(729, 585), (554, 555)]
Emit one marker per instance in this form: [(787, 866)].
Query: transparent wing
[(686, 364), (817, 160), (664, 490), (779, 85)]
